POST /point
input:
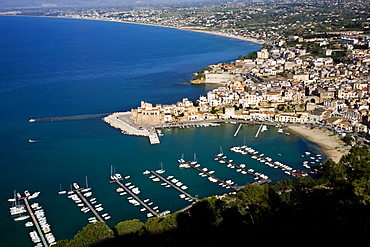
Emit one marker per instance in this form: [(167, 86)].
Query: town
[(284, 85)]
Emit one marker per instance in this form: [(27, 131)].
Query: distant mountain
[(64, 3)]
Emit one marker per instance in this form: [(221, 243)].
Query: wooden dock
[(210, 175), (35, 222), (98, 217), (135, 197), (174, 186)]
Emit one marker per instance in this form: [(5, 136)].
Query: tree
[(128, 227), (92, 234)]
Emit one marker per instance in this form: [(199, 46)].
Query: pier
[(98, 217), (268, 161), (174, 186), (135, 197), (35, 222), (210, 175), (263, 180), (237, 131), (258, 131)]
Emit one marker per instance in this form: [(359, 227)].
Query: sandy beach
[(332, 145)]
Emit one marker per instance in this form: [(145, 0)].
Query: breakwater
[(68, 118)]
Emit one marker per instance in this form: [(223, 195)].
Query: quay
[(263, 180), (35, 222), (210, 175), (135, 197), (174, 186), (98, 217), (237, 131)]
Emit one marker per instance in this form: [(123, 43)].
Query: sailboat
[(160, 171), (86, 187), (221, 152), (194, 162), (61, 191)]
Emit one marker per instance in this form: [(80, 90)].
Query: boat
[(194, 162), (27, 193), (61, 192), (264, 128), (160, 171), (21, 218), (76, 186), (86, 187), (280, 131), (156, 180), (28, 224), (146, 172), (221, 153)]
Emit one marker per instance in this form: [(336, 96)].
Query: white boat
[(28, 224), (76, 186), (280, 131), (107, 217), (156, 180), (27, 193), (146, 172), (21, 218), (264, 128), (61, 192), (220, 153), (160, 171)]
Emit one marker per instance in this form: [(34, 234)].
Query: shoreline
[(332, 145), (252, 40)]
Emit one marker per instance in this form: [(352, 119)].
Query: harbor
[(174, 185), (42, 236), (258, 176), (87, 203), (203, 172), (136, 201), (268, 161)]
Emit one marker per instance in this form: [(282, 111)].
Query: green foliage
[(162, 224), (92, 234), (128, 227), (348, 139), (252, 55)]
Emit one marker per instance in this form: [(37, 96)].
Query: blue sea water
[(53, 67)]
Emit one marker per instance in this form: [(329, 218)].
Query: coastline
[(253, 40), (332, 145)]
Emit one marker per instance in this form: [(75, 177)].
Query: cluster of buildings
[(281, 85)]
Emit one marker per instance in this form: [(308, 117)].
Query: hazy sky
[(38, 3)]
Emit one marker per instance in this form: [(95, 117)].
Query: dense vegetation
[(333, 208)]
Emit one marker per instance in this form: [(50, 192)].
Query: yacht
[(22, 218), (146, 172)]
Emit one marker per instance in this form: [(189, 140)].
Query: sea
[(54, 67)]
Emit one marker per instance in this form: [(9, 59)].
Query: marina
[(42, 236), (227, 184), (137, 201), (258, 176), (268, 161), (173, 185), (87, 203)]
